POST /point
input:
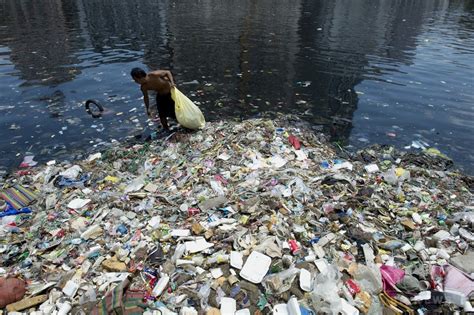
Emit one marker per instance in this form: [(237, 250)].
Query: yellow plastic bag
[(187, 113)]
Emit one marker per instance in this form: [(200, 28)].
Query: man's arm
[(170, 77), (146, 100), (164, 74)]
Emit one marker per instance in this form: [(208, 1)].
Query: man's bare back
[(160, 81)]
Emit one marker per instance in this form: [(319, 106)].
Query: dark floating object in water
[(94, 114)]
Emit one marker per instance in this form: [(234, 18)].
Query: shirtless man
[(160, 81)]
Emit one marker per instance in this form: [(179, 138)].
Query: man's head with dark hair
[(138, 75)]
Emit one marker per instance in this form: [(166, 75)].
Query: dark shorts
[(165, 105)]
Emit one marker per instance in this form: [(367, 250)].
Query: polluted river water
[(389, 72)]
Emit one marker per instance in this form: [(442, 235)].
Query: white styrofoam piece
[(65, 308), (293, 307), (228, 306), (256, 267), (198, 245), (188, 311), (180, 232), (422, 296), (347, 309), (199, 270), (71, 287), (216, 273), (154, 222), (468, 307), (280, 309), (322, 265), (236, 260), (78, 203), (305, 280), (454, 297), (371, 168)]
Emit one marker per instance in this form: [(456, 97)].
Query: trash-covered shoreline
[(260, 216)]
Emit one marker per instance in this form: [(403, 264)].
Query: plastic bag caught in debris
[(280, 282), (324, 296)]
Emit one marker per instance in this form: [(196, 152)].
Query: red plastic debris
[(219, 178), (60, 233), (293, 246), (352, 286), (23, 173), (294, 142), (137, 235), (193, 211)]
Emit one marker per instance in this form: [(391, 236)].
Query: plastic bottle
[(64, 309), (203, 294), (160, 285), (293, 307), (390, 176), (178, 253), (217, 258)]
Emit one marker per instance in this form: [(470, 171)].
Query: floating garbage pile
[(254, 217)]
